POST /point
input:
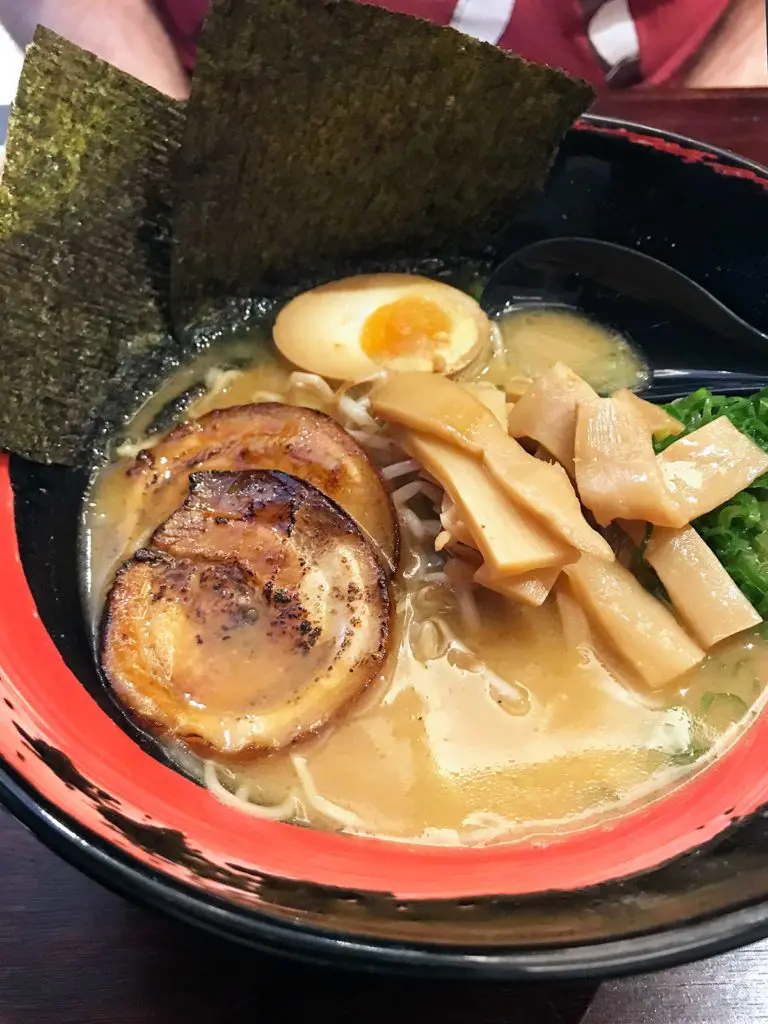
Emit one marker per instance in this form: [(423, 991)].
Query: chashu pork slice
[(257, 613), (270, 435)]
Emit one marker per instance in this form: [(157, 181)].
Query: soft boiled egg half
[(351, 329)]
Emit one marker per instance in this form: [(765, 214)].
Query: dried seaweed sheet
[(322, 131), (84, 244)]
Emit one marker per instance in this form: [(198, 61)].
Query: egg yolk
[(411, 326)]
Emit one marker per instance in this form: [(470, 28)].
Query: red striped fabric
[(623, 42)]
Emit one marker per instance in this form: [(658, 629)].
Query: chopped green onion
[(737, 532), (728, 701)]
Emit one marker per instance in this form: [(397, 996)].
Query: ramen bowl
[(678, 878)]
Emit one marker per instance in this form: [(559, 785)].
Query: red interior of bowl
[(119, 790)]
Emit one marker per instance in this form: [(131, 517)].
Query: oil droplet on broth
[(513, 699), (532, 340)]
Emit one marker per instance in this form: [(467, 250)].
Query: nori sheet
[(324, 132), (85, 203), (322, 135)]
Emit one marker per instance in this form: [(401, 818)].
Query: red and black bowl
[(682, 878)]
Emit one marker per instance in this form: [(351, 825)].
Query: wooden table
[(72, 953), (735, 119)]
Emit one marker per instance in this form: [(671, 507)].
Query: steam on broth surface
[(493, 718)]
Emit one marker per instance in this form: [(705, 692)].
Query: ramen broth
[(486, 725), (530, 341)]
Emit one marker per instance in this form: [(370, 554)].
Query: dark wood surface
[(734, 119), (72, 953)]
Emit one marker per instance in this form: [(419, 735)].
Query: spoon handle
[(641, 277), (670, 384)]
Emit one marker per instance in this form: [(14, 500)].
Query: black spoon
[(665, 314), (666, 385)]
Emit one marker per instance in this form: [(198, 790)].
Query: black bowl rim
[(124, 875)]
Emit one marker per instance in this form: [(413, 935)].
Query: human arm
[(734, 55), (127, 33)]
